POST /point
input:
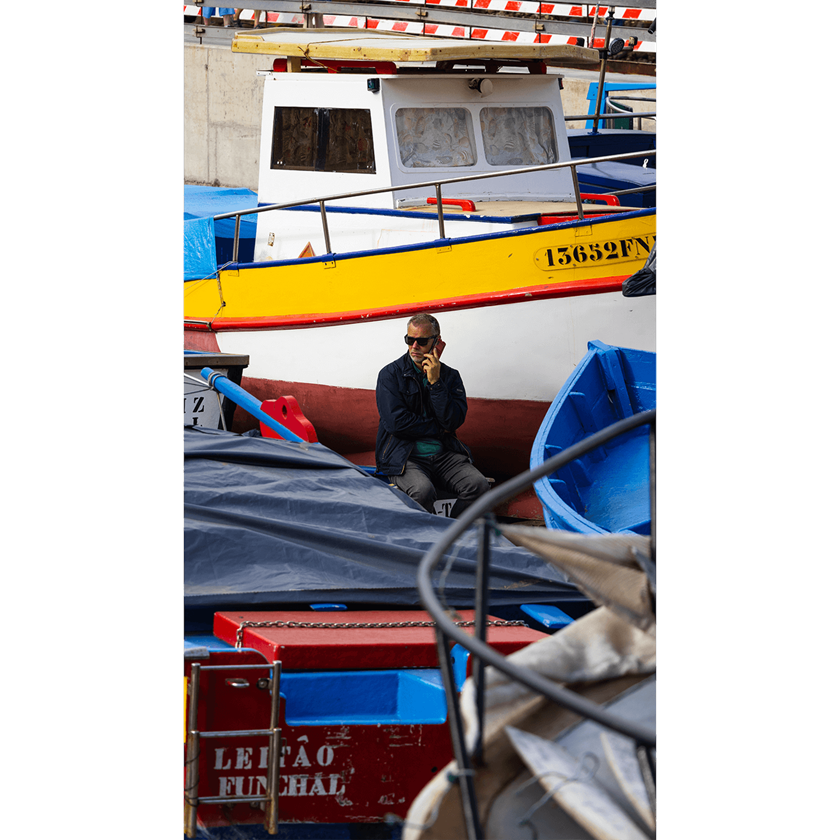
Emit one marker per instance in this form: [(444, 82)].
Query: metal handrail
[(647, 114), (630, 98), (446, 630), (628, 111), (571, 164)]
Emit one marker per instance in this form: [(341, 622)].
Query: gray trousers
[(451, 471)]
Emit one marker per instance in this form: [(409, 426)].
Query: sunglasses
[(409, 340)]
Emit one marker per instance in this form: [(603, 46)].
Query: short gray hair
[(423, 318)]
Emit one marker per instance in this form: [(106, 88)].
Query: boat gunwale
[(525, 294), (438, 243)]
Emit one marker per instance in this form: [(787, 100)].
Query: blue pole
[(244, 400)]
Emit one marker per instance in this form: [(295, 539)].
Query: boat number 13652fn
[(618, 250)]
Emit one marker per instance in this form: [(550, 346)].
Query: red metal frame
[(381, 68), (356, 648)]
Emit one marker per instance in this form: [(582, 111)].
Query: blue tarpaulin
[(199, 249), (268, 521), (200, 205), (613, 175)]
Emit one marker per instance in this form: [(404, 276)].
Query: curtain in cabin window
[(518, 136), (434, 137)]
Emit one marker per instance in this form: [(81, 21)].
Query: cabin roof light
[(483, 86)]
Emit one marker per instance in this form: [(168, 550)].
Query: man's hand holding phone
[(431, 362)]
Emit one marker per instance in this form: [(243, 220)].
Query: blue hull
[(608, 490)]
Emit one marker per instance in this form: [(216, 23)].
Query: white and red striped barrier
[(529, 7), (450, 31)]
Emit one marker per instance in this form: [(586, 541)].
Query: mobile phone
[(439, 347)]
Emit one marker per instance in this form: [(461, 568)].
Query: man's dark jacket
[(400, 397)]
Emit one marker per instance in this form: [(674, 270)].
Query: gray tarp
[(272, 522)]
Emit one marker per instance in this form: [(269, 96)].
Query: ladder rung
[(204, 799), (233, 733)]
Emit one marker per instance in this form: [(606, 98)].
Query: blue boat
[(608, 490)]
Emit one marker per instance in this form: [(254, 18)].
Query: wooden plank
[(588, 802), (621, 758), (350, 45)]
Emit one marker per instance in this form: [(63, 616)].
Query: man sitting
[(421, 403)]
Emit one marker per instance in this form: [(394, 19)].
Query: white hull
[(520, 351), (514, 358)]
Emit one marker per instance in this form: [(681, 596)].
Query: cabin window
[(435, 137), (323, 140), (518, 136)]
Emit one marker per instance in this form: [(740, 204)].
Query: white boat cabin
[(351, 111)]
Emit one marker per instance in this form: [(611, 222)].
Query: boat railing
[(437, 185), (480, 514), (622, 111), (622, 116), (611, 100)]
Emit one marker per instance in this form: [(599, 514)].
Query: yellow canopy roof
[(386, 46)]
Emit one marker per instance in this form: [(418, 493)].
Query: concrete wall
[(223, 109)]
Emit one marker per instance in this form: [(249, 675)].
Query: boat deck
[(521, 209)]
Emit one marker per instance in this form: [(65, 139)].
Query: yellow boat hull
[(572, 258)]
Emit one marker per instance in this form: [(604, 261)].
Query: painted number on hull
[(605, 253)]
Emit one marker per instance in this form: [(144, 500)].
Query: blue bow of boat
[(607, 490)]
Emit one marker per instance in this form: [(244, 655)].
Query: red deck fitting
[(355, 648)]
